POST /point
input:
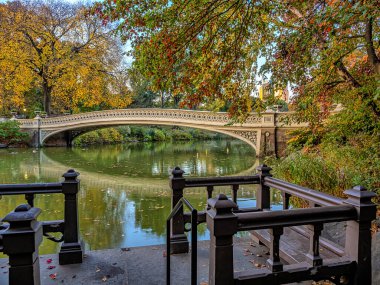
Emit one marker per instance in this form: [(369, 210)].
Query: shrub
[(158, 135), (89, 138), (10, 133), (179, 135)]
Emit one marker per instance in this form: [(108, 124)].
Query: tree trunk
[(46, 89)]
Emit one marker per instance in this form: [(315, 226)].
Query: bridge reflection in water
[(118, 209)]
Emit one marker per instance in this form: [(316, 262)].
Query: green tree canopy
[(209, 50)]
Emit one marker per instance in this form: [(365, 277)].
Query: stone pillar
[(263, 193), (20, 242), (178, 239), (72, 249), (222, 224), (37, 137), (358, 233)]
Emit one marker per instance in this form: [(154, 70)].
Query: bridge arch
[(83, 128)]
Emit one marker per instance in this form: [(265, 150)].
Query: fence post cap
[(177, 172), (22, 213), (23, 208), (71, 174), (265, 169), (221, 204), (360, 198), (360, 195)]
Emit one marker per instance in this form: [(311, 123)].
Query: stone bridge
[(265, 133)]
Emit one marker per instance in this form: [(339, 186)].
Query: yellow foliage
[(66, 58)]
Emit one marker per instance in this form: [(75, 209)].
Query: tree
[(68, 54), (209, 50)]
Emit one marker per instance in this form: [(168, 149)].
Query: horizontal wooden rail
[(221, 181), (311, 195), (295, 217), (33, 188)]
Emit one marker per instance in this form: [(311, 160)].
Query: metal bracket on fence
[(53, 227), (194, 239)]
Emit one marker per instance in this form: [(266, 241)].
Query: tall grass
[(331, 169)]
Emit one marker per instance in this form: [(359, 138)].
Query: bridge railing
[(71, 250)]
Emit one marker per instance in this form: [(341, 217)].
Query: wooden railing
[(71, 250), (225, 219), (178, 184)]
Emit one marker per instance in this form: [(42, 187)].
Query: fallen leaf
[(258, 255), (51, 267), (53, 276), (97, 269), (49, 260), (104, 279)]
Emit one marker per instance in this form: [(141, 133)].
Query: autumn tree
[(209, 50), (66, 53)]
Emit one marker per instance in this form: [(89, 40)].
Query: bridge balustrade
[(71, 250)]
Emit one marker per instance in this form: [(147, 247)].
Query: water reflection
[(124, 198)]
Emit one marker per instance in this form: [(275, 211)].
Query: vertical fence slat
[(313, 256), (274, 263)]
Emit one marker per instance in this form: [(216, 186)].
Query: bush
[(140, 133), (10, 133), (179, 135), (89, 138), (200, 135), (158, 135)]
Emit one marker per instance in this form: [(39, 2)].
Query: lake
[(125, 196)]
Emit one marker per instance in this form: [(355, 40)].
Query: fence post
[(72, 249), (222, 224), (20, 242), (263, 193), (178, 239), (358, 233)]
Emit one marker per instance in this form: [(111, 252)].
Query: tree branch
[(345, 74), (373, 59)]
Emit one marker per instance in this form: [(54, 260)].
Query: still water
[(124, 198)]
